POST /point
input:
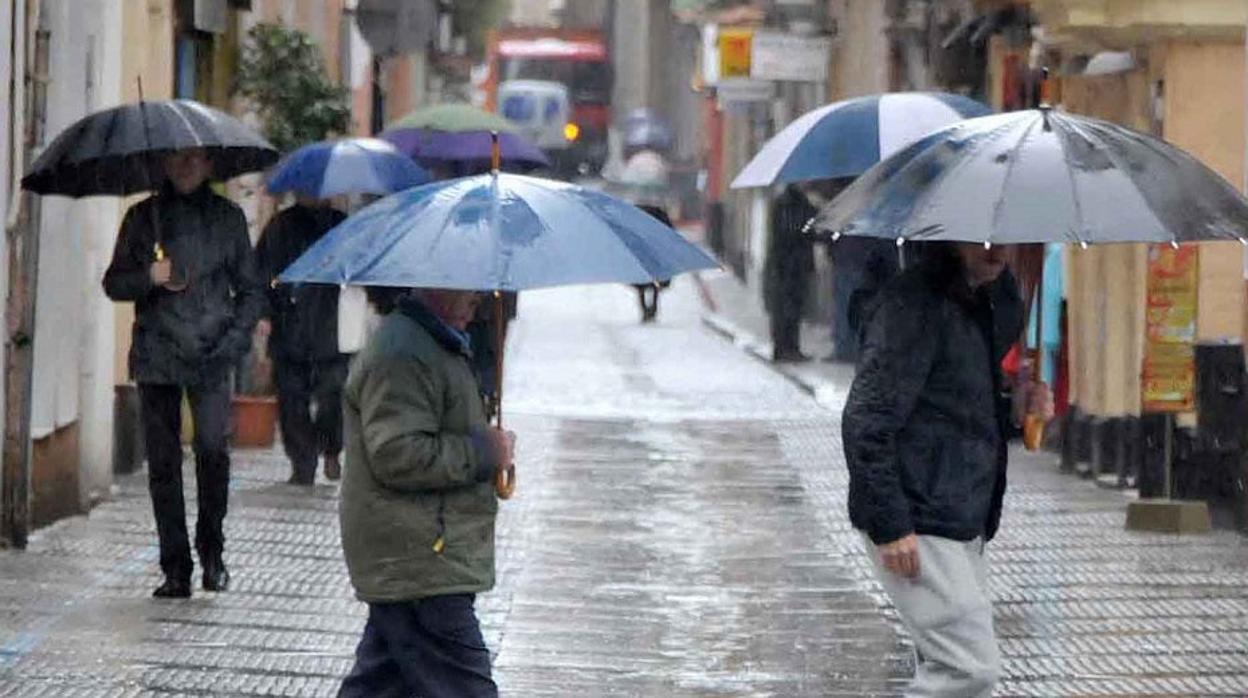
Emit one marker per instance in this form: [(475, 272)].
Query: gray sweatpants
[(949, 616)]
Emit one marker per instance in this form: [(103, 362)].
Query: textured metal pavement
[(679, 531)]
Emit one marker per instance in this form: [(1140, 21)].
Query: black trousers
[(430, 648), (786, 329), (161, 408), (306, 436)]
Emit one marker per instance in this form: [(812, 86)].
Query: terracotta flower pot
[(255, 421)]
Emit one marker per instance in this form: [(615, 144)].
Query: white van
[(542, 111)]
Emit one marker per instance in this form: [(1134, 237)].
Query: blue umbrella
[(497, 232), (846, 138), (1039, 176), (350, 166)]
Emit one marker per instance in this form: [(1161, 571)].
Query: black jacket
[(193, 336), (924, 427), (304, 316), (790, 253)]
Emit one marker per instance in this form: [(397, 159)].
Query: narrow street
[(679, 530)]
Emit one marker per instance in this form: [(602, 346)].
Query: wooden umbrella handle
[(505, 481), (504, 476)]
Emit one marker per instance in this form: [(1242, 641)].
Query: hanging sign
[(1169, 373), (734, 53)]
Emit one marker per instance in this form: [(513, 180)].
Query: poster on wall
[(1169, 372)]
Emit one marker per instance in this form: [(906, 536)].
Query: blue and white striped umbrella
[(846, 138), (349, 166)]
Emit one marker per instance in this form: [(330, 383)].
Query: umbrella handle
[(505, 481), (505, 476)]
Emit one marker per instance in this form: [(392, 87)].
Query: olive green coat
[(417, 469)]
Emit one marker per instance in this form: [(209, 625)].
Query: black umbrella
[(118, 151)]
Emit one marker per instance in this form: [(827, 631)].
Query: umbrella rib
[(1011, 163), (1080, 221), (1091, 135), (177, 110), (1194, 199), (928, 193)]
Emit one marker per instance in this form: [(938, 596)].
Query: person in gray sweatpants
[(924, 431)]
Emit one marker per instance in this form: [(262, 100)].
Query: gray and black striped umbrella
[(117, 151), (1039, 176)]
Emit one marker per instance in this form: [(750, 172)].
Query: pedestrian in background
[(418, 502), (184, 258), (308, 368), (648, 294), (787, 271), (925, 430)]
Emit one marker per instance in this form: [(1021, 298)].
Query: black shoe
[(789, 357), (302, 481), (216, 577), (173, 589)]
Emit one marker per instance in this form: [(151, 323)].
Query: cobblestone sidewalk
[(1083, 607)]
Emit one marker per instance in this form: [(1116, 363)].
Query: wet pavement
[(679, 530)]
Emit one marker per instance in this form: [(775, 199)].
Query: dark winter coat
[(924, 427), (304, 316), (790, 254), (419, 468), (193, 336)]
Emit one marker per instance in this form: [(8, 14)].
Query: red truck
[(575, 58)]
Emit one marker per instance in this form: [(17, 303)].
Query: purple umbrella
[(432, 148)]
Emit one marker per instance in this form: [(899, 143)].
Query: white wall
[(6, 173), (73, 319)]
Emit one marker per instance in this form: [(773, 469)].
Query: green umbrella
[(453, 117)]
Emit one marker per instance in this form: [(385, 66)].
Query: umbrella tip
[(1243, 241), (1083, 244), (1174, 244), (836, 236), (901, 241), (987, 244)]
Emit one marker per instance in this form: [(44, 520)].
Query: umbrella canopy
[(846, 138), (350, 166), (117, 151), (497, 232), (454, 118), (1039, 176), (453, 133)]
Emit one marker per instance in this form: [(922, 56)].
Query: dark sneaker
[(216, 577), (333, 469)]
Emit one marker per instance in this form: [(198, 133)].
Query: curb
[(825, 393)]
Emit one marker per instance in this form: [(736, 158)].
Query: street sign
[(777, 56), (744, 90), (734, 53)]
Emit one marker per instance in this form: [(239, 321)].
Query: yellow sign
[(734, 52), (1169, 375)]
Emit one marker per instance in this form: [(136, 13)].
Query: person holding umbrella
[(183, 257), (309, 368), (193, 280), (418, 506), (924, 427), (925, 442)]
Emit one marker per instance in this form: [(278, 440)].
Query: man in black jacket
[(925, 442), (786, 272), (184, 258), (303, 342)]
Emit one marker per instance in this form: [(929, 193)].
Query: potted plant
[(254, 402)]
